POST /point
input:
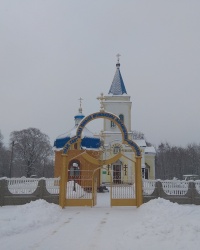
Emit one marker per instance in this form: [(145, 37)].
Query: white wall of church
[(118, 105)]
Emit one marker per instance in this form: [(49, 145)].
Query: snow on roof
[(140, 143), (150, 150), (72, 132)]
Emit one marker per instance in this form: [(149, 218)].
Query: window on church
[(116, 150), (145, 173), (112, 124), (121, 117)]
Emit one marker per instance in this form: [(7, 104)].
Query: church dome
[(88, 140)]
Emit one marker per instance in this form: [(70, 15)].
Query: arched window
[(121, 117)]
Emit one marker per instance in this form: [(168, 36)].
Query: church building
[(118, 102), (109, 142)]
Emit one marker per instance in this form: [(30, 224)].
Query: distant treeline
[(30, 154), (173, 161)]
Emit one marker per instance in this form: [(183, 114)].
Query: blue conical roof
[(117, 87)]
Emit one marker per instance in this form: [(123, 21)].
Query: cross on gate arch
[(75, 142)]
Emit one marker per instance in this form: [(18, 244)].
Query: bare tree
[(137, 135), (4, 158), (1, 139), (31, 151)]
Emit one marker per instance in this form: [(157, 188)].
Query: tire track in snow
[(97, 234), (53, 232)]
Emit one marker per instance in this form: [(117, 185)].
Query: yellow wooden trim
[(93, 191), (123, 202), (78, 202), (138, 181), (128, 158), (111, 179), (101, 162), (63, 177)]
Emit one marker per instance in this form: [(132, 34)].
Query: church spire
[(117, 86)]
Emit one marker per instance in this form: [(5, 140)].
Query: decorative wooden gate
[(89, 182)]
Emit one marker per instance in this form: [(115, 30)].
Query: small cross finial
[(80, 99), (80, 108), (101, 98), (118, 56)]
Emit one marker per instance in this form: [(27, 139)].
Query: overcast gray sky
[(54, 52)]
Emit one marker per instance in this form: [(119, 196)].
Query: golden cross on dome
[(101, 98)]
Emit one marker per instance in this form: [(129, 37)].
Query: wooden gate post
[(138, 181), (63, 180)]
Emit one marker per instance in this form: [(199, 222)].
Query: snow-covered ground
[(156, 225)]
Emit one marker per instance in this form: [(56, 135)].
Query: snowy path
[(158, 224)]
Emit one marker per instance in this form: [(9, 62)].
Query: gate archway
[(75, 143)]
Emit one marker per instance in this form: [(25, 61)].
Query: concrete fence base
[(7, 198), (191, 197)]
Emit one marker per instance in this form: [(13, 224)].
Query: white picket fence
[(22, 185), (52, 185), (170, 187), (29, 185), (175, 187), (197, 186), (148, 186)]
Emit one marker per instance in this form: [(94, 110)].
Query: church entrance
[(117, 173)]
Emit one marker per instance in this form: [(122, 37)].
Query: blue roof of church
[(117, 87), (88, 140), (85, 142)]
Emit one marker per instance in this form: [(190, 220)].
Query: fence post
[(158, 187), (41, 185), (191, 192), (3, 184)]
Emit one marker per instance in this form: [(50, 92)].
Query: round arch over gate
[(105, 115), (75, 142)]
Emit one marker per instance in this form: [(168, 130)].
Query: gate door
[(122, 194), (79, 190)]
